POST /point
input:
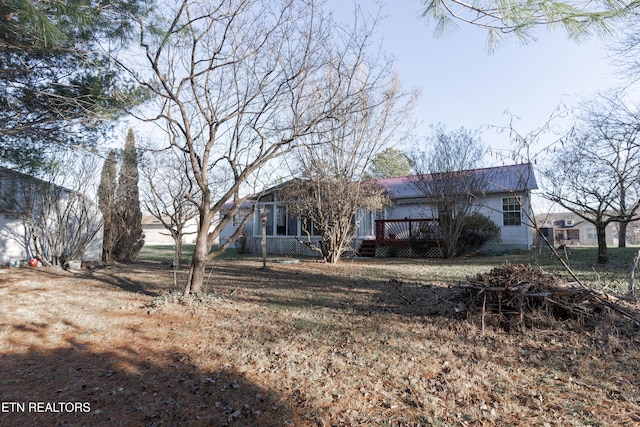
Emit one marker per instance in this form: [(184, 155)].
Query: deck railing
[(400, 232)]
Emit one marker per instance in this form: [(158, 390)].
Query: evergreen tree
[(522, 17), (390, 163), (106, 202), (128, 214), (58, 86)]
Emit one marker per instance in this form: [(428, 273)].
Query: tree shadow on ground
[(117, 275), (74, 386), (291, 287), (296, 287)]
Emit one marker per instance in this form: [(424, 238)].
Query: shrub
[(478, 230), (241, 242)]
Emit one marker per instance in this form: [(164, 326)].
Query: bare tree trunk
[(333, 252), (603, 254), (177, 252), (198, 263), (634, 267), (622, 234), (258, 106)]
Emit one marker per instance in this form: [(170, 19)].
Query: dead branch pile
[(519, 295)]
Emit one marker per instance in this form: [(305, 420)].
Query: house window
[(511, 211), (309, 226), (368, 223), (281, 220), (292, 224), (573, 234), (270, 221), (268, 209), (591, 233)]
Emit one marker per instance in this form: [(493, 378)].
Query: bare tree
[(60, 217), (626, 49), (613, 130), (583, 187), (240, 83), (331, 197), (168, 194), (595, 174), (445, 177), (332, 208)]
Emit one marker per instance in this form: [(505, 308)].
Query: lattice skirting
[(284, 246), (392, 251), (292, 247), (299, 249)]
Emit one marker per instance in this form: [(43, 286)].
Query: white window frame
[(511, 212)]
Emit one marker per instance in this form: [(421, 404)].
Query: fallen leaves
[(309, 347)]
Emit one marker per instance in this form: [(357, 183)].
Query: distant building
[(567, 228), (155, 233)]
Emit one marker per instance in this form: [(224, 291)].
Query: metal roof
[(499, 179)]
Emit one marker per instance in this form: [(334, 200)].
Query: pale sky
[(464, 85)]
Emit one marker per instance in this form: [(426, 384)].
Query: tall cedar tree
[(128, 214), (107, 203)]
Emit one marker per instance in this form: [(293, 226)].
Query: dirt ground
[(304, 344)]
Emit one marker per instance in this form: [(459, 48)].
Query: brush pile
[(524, 296)]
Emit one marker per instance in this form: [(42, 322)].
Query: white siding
[(232, 226), (511, 236), (94, 250), (11, 239), (12, 242), (156, 234), (408, 210)]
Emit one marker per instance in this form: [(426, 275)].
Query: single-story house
[(249, 240), (156, 234), (567, 228), (505, 199), (16, 240)]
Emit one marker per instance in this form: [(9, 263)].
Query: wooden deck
[(419, 236)]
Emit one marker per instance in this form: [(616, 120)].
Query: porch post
[(263, 220)]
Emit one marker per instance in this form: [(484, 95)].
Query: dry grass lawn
[(359, 344)]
